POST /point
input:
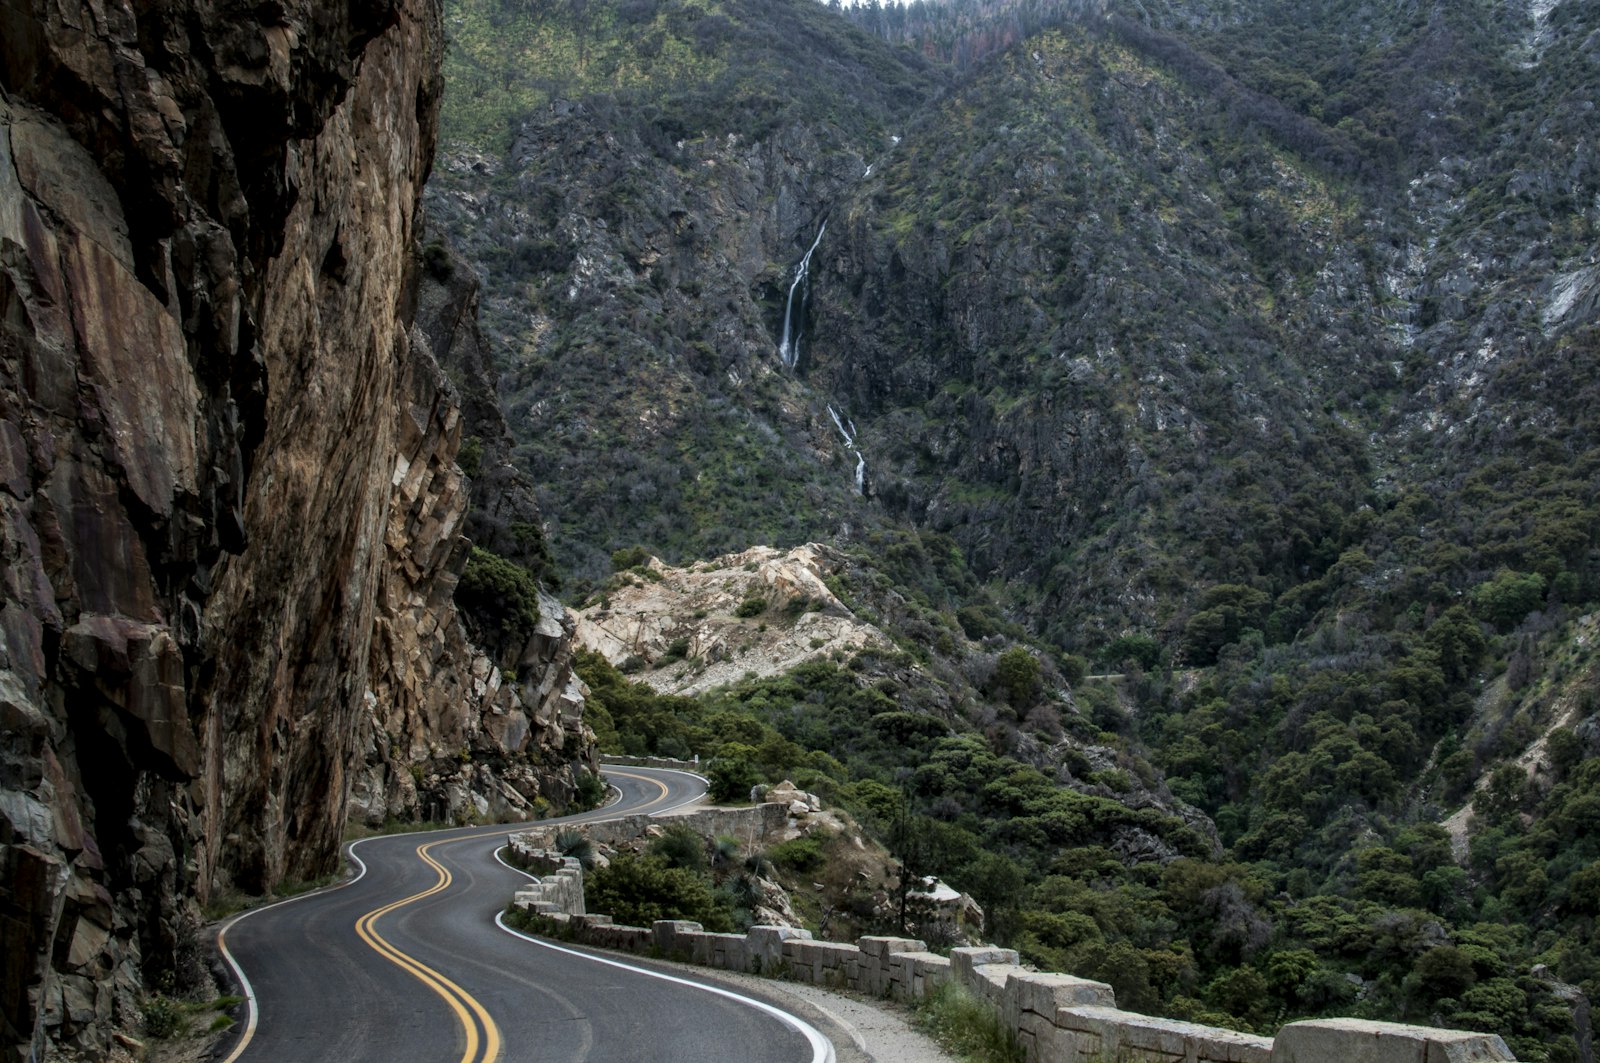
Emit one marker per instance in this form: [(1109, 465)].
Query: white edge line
[(659, 811), (253, 1013), (821, 1048), (252, 1020)]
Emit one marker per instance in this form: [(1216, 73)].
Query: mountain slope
[(1245, 348)]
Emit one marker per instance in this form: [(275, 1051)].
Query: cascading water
[(848, 435), (789, 349)]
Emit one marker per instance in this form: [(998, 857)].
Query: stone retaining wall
[(558, 887), (1057, 1018), (692, 766), (757, 825)]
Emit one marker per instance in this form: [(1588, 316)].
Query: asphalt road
[(406, 964)]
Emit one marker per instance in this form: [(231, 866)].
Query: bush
[(680, 847), (501, 599), (436, 258), (576, 844), (636, 891), (470, 456), (732, 778), (752, 606), (1141, 649), (591, 790), (798, 854), (1017, 674), (629, 557), (164, 1018)]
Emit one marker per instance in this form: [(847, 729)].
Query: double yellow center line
[(483, 1036)]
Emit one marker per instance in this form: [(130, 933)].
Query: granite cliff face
[(229, 515)]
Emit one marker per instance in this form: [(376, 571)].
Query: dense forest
[(1224, 377)]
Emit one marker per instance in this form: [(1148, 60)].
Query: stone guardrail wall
[(650, 762), (557, 885), (1057, 1018), (753, 825)]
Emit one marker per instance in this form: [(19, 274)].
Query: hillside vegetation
[(1246, 352)]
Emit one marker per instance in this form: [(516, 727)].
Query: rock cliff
[(229, 513)]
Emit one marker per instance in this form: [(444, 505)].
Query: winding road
[(406, 963)]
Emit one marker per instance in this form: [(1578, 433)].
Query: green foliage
[(576, 844), (755, 605), (802, 855), (733, 775), (470, 456), (1504, 600), (1138, 648), (165, 1018), (502, 600), (636, 891), (629, 557), (436, 260), (591, 790), (1017, 673), (966, 1028), (681, 847)]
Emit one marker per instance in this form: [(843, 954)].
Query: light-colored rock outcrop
[(640, 619)]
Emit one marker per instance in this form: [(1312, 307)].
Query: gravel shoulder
[(863, 1029)]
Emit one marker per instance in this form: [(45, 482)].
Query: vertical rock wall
[(216, 560)]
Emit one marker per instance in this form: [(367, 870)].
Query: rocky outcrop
[(695, 630), (450, 736), (206, 288)]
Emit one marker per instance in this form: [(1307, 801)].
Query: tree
[(1443, 972), (1504, 600), (1017, 674), (733, 773), (1455, 638)]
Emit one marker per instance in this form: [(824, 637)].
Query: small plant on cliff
[(501, 599), (436, 257), (164, 1018), (470, 456), (752, 606), (590, 792)]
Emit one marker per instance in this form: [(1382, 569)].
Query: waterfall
[(849, 440), (789, 349), (849, 437)]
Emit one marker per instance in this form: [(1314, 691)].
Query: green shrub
[(501, 599), (576, 844), (164, 1018), (681, 847), (732, 778), (591, 790), (629, 557), (470, 456), (967, 1028), (798, 854), (752, 606), (636, 891)]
